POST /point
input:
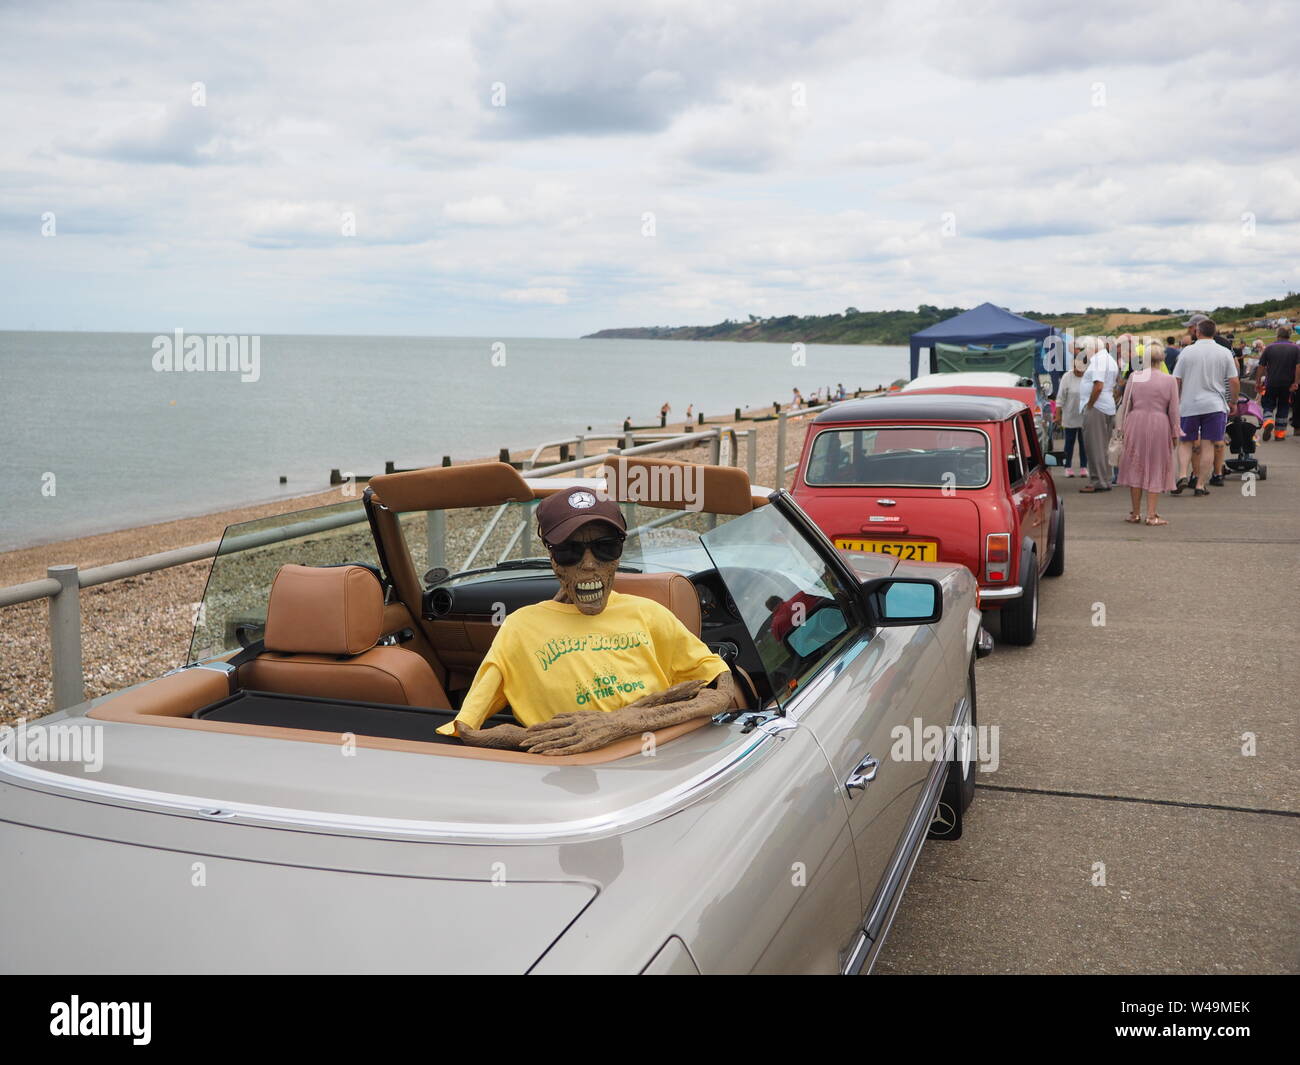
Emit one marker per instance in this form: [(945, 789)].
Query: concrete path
[(1159, 653)]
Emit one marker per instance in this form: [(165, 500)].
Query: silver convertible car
[(284, 803)]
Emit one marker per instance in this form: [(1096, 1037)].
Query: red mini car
[(931, 477)]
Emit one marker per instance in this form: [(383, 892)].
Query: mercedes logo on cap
[(581, 500)]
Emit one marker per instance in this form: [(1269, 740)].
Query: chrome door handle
[(863, 775)]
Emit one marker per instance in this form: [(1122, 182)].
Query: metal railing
[(783, 419), (62, 584)]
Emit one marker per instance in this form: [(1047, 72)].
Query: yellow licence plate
[(905, 550)]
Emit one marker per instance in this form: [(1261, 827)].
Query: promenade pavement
[(1161, 652)]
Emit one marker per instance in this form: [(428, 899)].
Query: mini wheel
[(1020, 616), (1263, 473)]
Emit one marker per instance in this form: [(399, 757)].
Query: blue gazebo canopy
[(985, 325)]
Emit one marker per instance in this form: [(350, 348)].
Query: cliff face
[(897, 327), (852, 327)]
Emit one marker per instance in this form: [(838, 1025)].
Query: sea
[(105, 431)]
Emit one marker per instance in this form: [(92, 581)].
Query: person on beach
[(1097, 395), (796, 400), (1151, 429), (664, 411), (1276, 384), (1069, 416), (1207, 374)]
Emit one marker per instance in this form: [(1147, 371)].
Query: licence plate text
[(905, 551)]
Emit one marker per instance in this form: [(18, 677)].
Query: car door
[(880, 720), (1036, 488), (1020, 486), (867, 696)]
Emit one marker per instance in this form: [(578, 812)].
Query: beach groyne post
[(751, 454), (65, 637), (780, 449)]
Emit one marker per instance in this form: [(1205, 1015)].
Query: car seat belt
[(244, 656)]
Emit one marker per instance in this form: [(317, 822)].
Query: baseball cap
[(560, 515), (1196, 319)]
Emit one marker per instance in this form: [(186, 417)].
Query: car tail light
[(997, 556)]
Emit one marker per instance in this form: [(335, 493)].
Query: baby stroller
[(1243, 424)]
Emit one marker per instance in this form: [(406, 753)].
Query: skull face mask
[(587, 582), (585, 536)]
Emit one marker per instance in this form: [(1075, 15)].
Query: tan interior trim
[(407, 585), (168, 701), (722, 489), (476, 484)]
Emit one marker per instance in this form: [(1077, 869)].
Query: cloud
[(551, 296), (183, 135), (891, 151), (479, 210), (796, 159), (603, 70)]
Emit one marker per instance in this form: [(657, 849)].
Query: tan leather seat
[(322, 624), (672, 590)]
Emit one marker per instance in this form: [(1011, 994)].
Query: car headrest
[(672, 590), (327, 610)]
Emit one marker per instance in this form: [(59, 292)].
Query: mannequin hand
[(502, 737), (573, 733)]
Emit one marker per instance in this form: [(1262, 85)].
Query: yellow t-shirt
[(550, 658)]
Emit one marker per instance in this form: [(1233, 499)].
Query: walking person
[(1172, 351), (1069, 416), (1207, 374), (1097, 394), (1151, 430), (1278, 377)]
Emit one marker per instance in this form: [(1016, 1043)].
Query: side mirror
[(903, 601)]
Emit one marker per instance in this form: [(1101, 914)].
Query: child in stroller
[(1243, 424)]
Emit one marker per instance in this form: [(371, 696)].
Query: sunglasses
[(569, 553)]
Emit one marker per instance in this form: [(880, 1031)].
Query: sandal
[(1091, 488), (1200, 491), (1133, 518), (1156, 520)]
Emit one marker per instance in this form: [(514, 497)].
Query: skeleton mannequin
[(587, 585)]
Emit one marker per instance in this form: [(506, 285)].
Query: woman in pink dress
[(1151, 430)]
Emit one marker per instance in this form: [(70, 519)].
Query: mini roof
[(929, 406)]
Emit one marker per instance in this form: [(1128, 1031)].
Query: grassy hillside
[(896, 327)]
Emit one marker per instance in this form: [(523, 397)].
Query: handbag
[(1115, 447)]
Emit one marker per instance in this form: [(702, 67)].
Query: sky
[(553, 168)]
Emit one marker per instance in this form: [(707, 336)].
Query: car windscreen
[(930, 456), (471, 542), (232, 613), (797, 609)]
